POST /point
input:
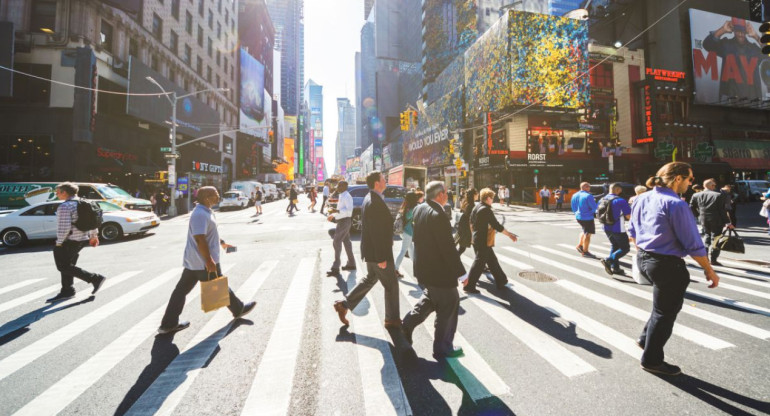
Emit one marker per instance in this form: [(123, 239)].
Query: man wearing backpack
[(77, 227), (612, 212)]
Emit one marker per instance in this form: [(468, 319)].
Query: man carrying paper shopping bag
[(201, 257)]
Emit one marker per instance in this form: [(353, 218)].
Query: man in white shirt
[(507, 194), (545, 196), (326, 196), (343, 216)]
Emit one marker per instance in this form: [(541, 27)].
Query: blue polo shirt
[(583, 205), (620, 209)]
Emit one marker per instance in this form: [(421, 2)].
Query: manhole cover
[(536, 276)]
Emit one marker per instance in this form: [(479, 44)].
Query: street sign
[(171, 155), (165, 150), (171, 174)]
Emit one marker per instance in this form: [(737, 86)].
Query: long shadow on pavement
[(19, 326), (714, 395)]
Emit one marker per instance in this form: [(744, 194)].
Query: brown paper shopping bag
[(214, 293)]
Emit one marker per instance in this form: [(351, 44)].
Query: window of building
[(227, 16), (175, 9), (219, 57), (188, 25), (28, 90), (106, 37), (133, 48), (43, 16), (199, 66), (174, 42), (227, 67), (200, 36), (211, 48), (186, 84), (601, 76), (157, 26), (155, 64), (201, 5), (211, 20), (208, 75), (187, 53), (219, 30), (219, 6), (172, 75)]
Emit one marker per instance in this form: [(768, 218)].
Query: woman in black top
[(463, 240), (292, 200), (482, 219)]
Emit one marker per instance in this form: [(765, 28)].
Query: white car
[(233, 199), (38, 222)]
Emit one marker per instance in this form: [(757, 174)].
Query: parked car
[(233, 199), (751, 190), (249, 188), (38, 222), (270, 191), (14, 195), (394, 197)]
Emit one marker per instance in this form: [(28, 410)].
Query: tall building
[(184, 46), (346, 133), (289, 26), (314, 132)]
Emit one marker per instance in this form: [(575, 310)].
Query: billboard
[(525, 59), (428, 144), (728, 65), (254, 103), (288, 151), (449, 27), (194, 118)]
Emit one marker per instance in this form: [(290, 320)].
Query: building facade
[(346, 134)]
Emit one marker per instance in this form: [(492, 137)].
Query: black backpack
[(604, 211), (89, 215)]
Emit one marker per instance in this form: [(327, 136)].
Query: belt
[(660, 256)]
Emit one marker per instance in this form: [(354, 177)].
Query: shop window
[(26, 158), (106, 37), (174, 42), (157, 26), (188, 25), (670, 110), (175, 9), (43, 16), (28, 90)]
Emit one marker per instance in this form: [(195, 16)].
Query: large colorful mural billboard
[(528, 58), (450, 27), (728, 64)]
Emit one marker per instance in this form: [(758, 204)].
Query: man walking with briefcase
[(712, 213), (201, 259)]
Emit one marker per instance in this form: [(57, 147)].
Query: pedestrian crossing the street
[(588, 306)]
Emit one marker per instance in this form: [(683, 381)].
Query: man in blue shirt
[(616, 232), (584, 207), (664, 230)]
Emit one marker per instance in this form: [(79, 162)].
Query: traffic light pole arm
[(207, 136)]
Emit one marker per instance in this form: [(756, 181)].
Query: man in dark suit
[(712, 214), (437, 267), (377, 252)]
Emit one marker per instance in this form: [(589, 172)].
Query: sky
[(332, 38)]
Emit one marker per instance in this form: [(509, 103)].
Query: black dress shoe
[(454, 353), (349, 268), (715, 263), (246, 309), (607, 266), (63, 295), (640, 343), (98, 283), (180, 326), (664, 369), (619, 272), (472, 290), (333, 272)]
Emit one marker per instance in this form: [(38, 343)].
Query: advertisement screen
[(253, 96), (449, 28), (528, 58), (288, 152), (728, 64), (428, 144)]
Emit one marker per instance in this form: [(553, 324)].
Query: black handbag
[(729, 241)]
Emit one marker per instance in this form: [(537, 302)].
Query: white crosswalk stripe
[(30, 353), (271, 389), (168, 390), (18, 285), (478, 378)]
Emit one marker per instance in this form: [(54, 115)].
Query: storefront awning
[(744, 154)]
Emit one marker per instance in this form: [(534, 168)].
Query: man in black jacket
[(377, 252), (437, 267), (712, 214)]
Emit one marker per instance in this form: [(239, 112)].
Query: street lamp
[(173, 99)]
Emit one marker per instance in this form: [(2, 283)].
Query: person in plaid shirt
[(69, 242)]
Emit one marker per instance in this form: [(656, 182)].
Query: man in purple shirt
[(616, 232), (664, 230)]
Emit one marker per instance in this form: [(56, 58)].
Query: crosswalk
[(549, 331)]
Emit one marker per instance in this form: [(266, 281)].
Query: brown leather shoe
[(392, 324), (342, 310)]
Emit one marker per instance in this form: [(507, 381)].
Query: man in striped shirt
[(69, 241)]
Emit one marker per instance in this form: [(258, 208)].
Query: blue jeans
[(620, 247), (406, 244)]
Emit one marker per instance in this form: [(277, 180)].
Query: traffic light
[(764, 30), (271, 136), (414, 119), (452, 146), (405, 121)]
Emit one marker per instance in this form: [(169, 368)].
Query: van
[(15, 195), (751, 190), (249, 188), (271, 192)]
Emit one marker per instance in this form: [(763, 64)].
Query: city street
[(534, 348)]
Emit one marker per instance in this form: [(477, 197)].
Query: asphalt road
[(534, 348)]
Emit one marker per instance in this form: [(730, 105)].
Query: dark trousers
[(374, 274), (323, 204), (620, 247), (485, 256), (544, 204), (292, 207), (342, 238), (710, 231), (670, 279), (445, 301), (66, 259), (559, 203), (185, 285)]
